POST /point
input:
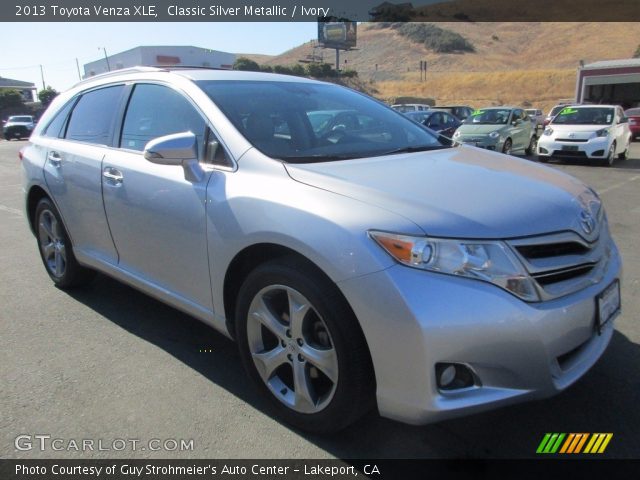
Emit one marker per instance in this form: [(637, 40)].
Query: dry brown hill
[(540, 58)]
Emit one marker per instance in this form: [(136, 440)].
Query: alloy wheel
[(292, 349), (52, 243)]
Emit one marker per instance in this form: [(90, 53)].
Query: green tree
[(47, 95), (10, 98), (246, 64)]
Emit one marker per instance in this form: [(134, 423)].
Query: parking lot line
[(619, 184)]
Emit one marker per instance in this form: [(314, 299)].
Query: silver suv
[(361, 263)]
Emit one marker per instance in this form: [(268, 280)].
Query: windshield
[(23, 119), (489, 116), (584, 116), (554, 111), (306, 122)]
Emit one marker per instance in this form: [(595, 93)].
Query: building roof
[(620, 63), (10, 83)]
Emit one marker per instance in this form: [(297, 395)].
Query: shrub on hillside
[(436, 38)]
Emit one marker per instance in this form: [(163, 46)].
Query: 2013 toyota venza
[(359, 260)]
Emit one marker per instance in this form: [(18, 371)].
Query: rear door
[(156, 216), (79, 138)]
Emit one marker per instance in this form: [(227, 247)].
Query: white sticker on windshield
[(608, 118)]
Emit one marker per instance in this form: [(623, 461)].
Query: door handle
[(54, 158), (113, 175)]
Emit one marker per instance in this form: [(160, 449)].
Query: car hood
[(556, 127), (18, 124), (466, 129), (459, 192)]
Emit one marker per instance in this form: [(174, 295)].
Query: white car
[(590, 132)]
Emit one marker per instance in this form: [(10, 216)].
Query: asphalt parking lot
[(107, 362)]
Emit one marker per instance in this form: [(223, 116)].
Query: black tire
[(531, 149), (624, 155), (611, 156), (7, 137), (508, 145), (52, 239), (353, 394)]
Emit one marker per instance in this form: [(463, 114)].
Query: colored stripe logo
[(574, 443)]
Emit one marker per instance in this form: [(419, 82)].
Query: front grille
[(569, 153), (575, 140), (565, 262)]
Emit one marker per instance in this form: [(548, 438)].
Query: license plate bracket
[(607, 305), (570, 148)]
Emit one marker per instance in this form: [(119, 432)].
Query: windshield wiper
[(423, 148)]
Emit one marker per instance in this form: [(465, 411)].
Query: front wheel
[(624, 155), (611, 155), (530, 150), (506, 148), (302, 346), (56, 250)]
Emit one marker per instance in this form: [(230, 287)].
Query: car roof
[(195, 74)]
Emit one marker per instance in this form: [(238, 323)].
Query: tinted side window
[(93, 115), (56, 126), (155, 111)]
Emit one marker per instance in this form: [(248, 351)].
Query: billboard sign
[(340, 35)]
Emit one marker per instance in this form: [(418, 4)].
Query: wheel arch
[(36, 193)]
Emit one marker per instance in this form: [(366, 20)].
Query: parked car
[(503, 129), (553, 112), (536, 116), (437, 120), (633, 114), (385, 267), (461, 112), (410, 107), (18, 126), (591, 132)]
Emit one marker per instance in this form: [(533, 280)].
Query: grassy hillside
[(535, 88), (513, 62)]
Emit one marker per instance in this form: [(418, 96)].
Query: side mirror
[(624, 120), (177, 149)]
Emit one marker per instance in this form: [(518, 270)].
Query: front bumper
[(485, 142), (413, 319), (592, 148)]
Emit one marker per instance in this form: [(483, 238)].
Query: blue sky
[(55, 46)]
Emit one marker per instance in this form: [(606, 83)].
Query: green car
[(503, 129)]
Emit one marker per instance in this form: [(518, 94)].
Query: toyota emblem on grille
[(587, 222)]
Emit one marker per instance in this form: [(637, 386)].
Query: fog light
[(598, 153), (453, 376), (543, 150)]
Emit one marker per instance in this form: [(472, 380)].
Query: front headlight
[(457, 134), (488, 261), (548, 131), (602, 133), (494, 135)]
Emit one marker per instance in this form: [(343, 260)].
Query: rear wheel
[(302, 346), (56, 250)]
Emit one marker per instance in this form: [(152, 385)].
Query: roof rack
[(121, 71), (151, 68)]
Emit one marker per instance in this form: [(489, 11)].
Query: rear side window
[(155, 111), (93, 116), (55, 128)]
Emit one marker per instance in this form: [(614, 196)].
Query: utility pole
[(42, 76), (338, 60), (106, 58), (78, 67)]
